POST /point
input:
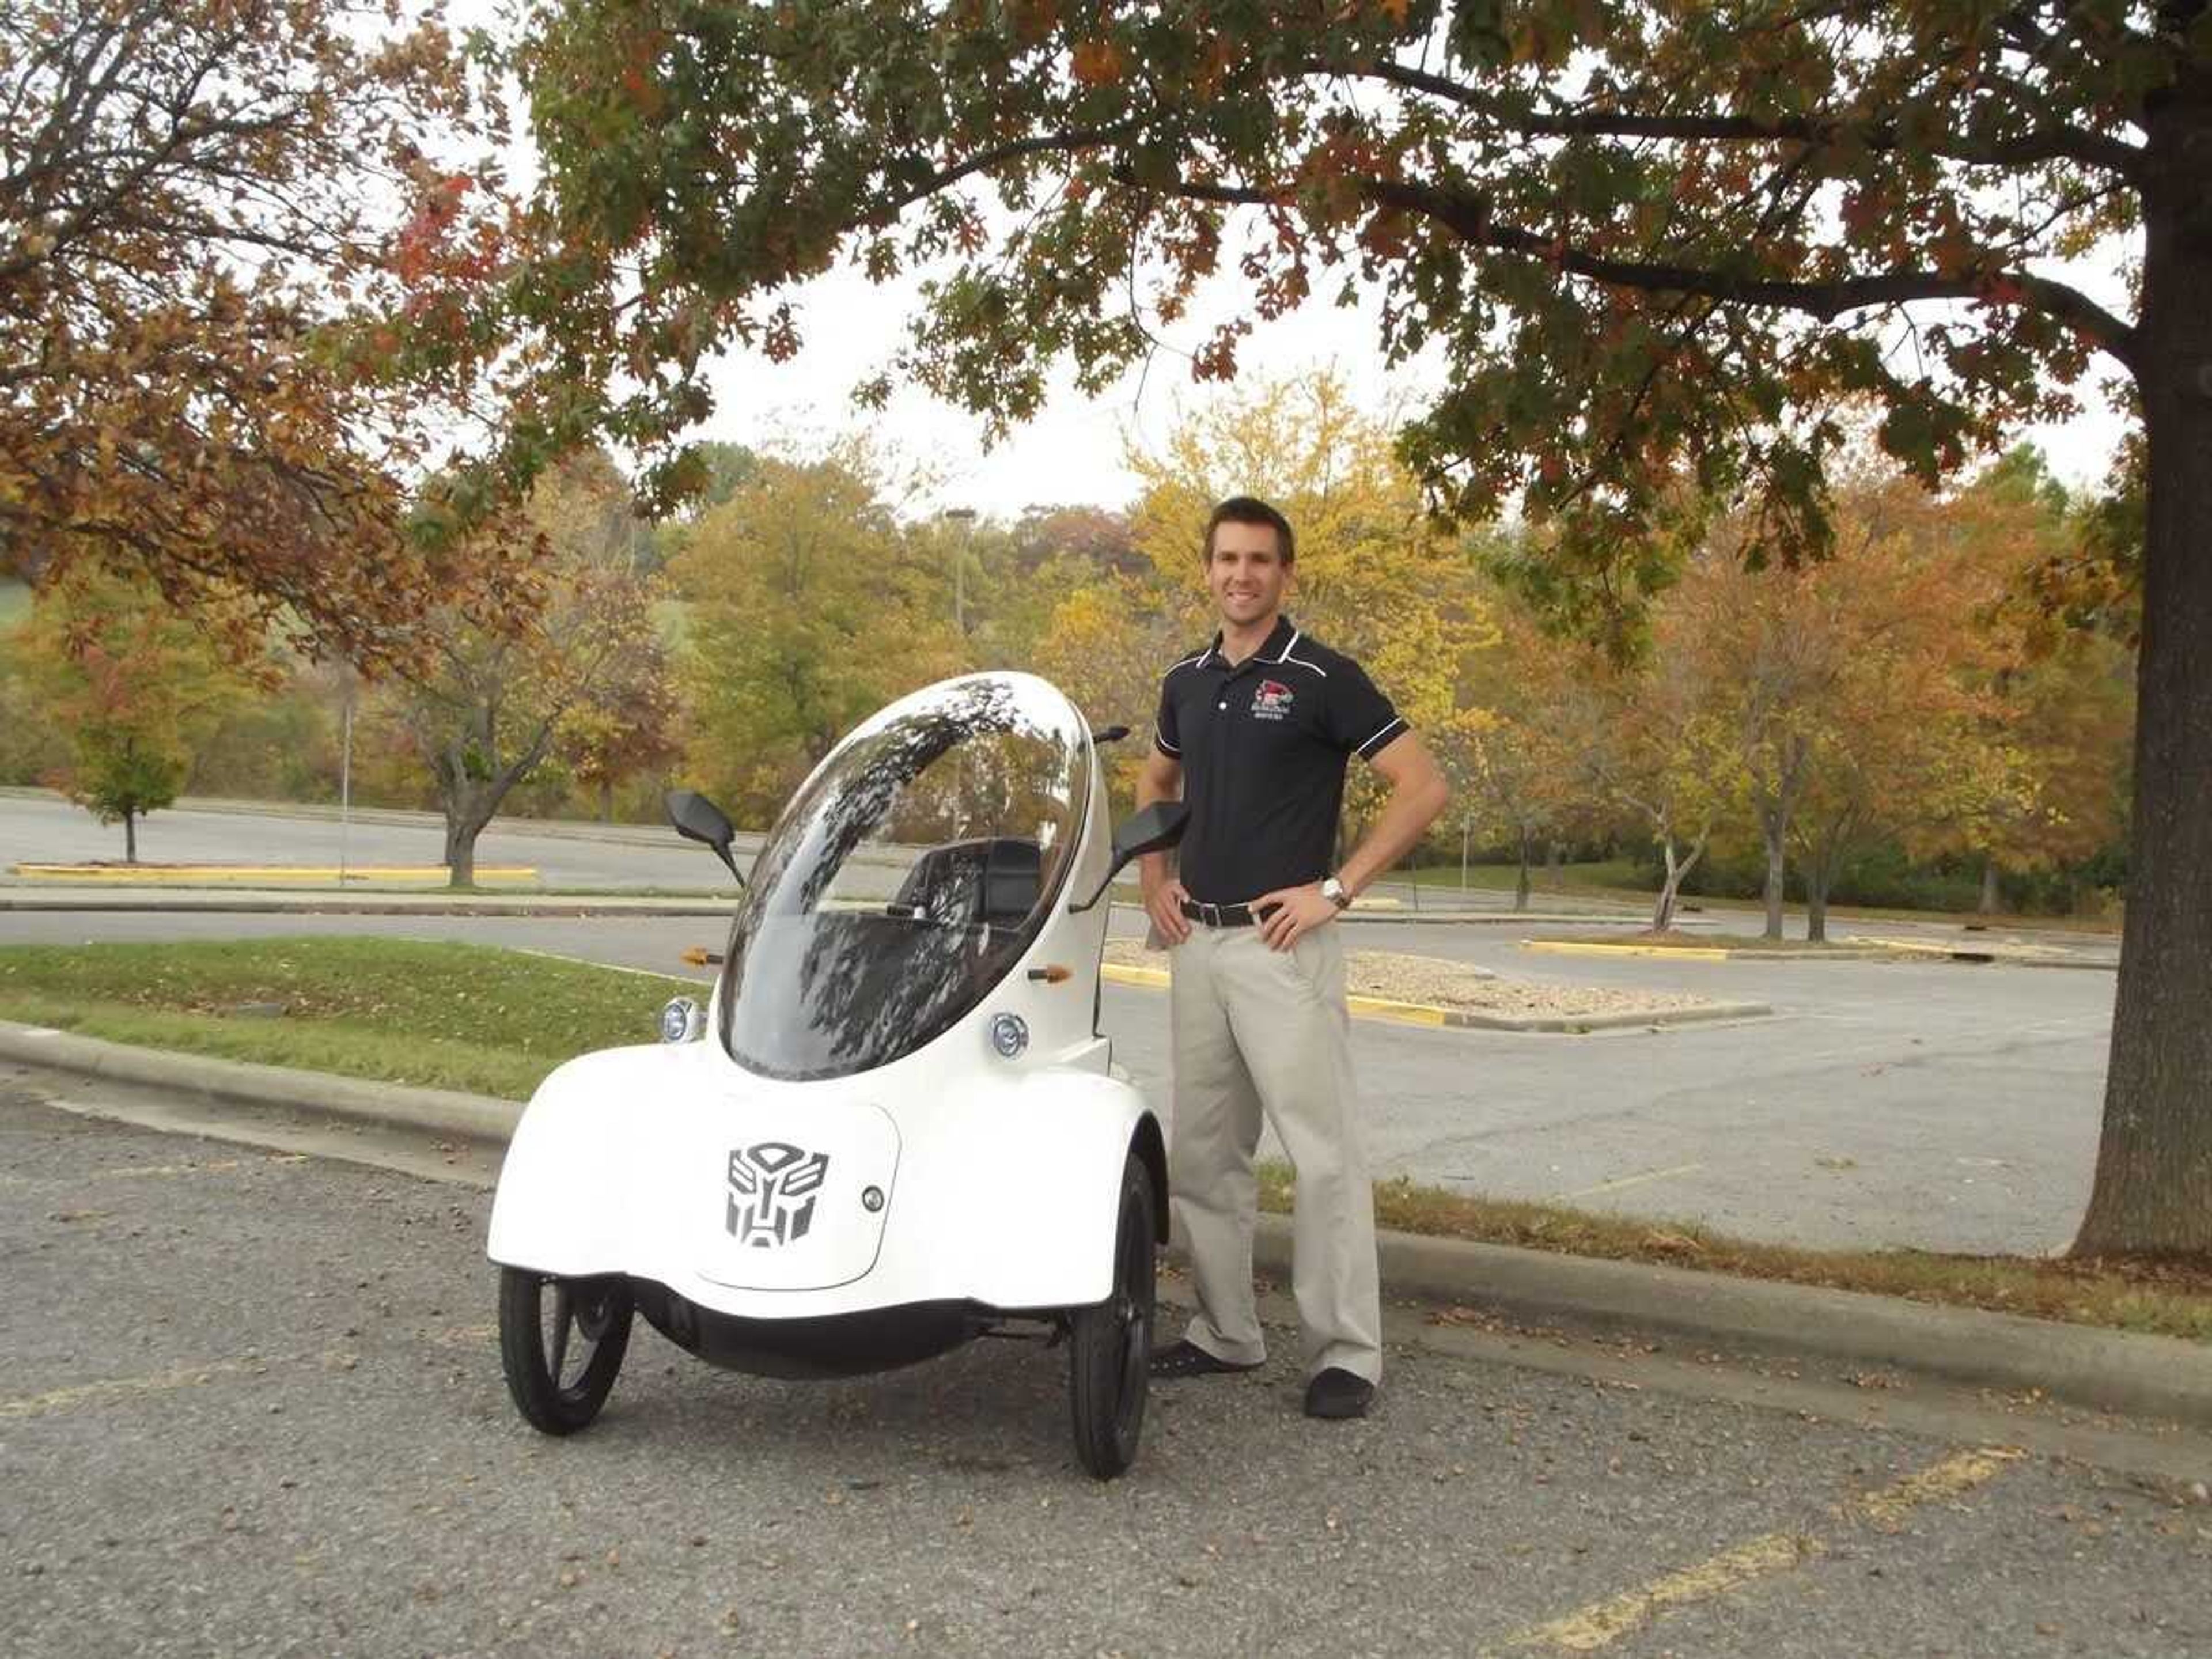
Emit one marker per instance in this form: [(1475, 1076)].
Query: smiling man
[(1254, 732)]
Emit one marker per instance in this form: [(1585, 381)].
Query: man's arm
[(1417, 794), (1162, 780)]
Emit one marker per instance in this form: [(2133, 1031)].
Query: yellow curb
[(1409, 1013), (1572, 948), (145, 876), (1121, 976)]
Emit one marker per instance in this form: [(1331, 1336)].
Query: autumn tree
[(482, 705), (624, 728), (135, 687), (1645, 240), (1108, 643), (1509, 751), (219, 222), (809, 608), (1376, 576)]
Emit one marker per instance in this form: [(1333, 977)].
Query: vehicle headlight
[(1010, 1034), (681, 1020)]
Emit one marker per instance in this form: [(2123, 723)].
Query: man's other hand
[(1292, 913), (1163, 900)]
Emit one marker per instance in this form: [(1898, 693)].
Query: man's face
[(1245, 575)]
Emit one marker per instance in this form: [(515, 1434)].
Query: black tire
[(560, 1388), (1110, 1362)]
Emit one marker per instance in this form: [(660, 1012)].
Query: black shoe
[(1188, 1359), (1337, 1393)]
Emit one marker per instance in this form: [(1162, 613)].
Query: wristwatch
[(1333, 890)]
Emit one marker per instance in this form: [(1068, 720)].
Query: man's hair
[(1250, 509)]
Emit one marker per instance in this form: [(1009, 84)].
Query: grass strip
[(494, 1022), (438, 1015), (2164, 1299)]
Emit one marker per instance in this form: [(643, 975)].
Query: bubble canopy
[(907, 878)]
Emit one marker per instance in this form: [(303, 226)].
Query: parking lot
[(254, 1405)]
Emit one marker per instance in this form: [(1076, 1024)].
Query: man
[(1254, 732)]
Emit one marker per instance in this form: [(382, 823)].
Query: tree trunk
[(1772, 826), (130, 836), (1521, 886), (462, 829), (1988, 907), (606, 801), (1663, 913), (1820, 876), (2152, 1193)]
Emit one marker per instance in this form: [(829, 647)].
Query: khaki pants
[(1260, 1030)]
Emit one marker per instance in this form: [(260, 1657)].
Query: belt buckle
[(1210, 914)]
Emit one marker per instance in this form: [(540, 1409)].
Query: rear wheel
[(561, 1341), (1109, 1368)]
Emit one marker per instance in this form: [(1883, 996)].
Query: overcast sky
[(1072, 452)]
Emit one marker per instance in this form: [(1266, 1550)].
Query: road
[(1936, 1104), (254, 1405)]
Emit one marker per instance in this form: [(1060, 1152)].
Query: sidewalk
[(2102, 1370)]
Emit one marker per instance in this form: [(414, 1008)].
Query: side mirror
[(698, 819), (1155, 830)]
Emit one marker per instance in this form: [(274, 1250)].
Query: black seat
[(993, 879)]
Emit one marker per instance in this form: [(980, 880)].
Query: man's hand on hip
[(1292, 913), (1164, 901)]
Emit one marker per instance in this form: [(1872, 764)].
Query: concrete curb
[(2147, 1376), (1422, 1013), (2110, 1370), (1575, 947), (439, 1111), (1870, 950), (364, 904)]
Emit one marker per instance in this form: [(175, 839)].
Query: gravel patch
[(1436, 983)]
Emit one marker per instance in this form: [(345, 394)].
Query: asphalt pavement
[(1931, 1103), (253, 1406)]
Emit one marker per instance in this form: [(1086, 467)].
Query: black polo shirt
[(1263, 746)]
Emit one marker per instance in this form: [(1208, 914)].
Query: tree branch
[(1468, 218), (2061, 142)]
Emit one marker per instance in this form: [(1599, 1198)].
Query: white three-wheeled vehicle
[(896, 1125)]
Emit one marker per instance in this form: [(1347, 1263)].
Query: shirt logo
[(1271, 701)]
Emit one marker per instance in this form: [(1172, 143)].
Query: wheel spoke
[(560, 1313)]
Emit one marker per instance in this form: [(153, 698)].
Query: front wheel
[(1110, 1361), (561, 1341)]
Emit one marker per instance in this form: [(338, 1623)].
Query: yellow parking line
[(118, 1387), (1631, 1181), (1962, 1472), (1575, 948), (1603, 1623)]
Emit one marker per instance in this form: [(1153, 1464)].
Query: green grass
[(443, 1016), (1611, 876), (2160, 1297), (14, 600), (495, 1021)]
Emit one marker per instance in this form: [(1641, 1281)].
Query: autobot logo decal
[(773, 1186), (1271, 701)]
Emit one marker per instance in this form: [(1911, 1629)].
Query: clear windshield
[(907, 878)]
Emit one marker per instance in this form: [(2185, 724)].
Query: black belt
[(1221, 915)]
